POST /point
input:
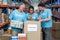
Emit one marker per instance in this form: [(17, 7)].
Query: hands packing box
[(33, 30)]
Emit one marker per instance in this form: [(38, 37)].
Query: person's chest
[(43, 14), (33, 16), (18, 15)]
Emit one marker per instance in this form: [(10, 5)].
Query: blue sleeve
[(11, 16), (49, 12), (25, 18), (37, 16), (27, 15)]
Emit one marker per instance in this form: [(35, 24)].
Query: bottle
[(9, 31)]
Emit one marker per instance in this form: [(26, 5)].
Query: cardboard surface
[(5, 37), (56, 34), (56, 25), (33, 34)]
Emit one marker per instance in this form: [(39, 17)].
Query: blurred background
[(7, 6)]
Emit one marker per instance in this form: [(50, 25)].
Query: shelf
[(3, 24), (56, 17), (54, 6), (7, 6)]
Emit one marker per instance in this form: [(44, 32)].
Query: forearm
[(45, 19)]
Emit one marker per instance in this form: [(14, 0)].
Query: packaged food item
[(16, 24), (22, 36)]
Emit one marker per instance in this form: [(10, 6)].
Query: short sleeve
[(27, 15), (11, 16), (25, 18), (36, 16), (49, 12)]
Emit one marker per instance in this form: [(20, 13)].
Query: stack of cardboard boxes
[(56, 30)]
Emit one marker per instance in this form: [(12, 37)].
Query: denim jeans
[(47, 33), (15, 31)]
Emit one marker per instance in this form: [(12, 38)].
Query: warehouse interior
[(7, 6)]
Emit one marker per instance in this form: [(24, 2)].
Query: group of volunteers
[(44, 16)]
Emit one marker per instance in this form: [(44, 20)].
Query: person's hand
[(40, 20), (30, 18)]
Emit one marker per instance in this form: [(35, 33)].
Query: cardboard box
[(56, 25), (33, 30), (56, 34), (5, 37)]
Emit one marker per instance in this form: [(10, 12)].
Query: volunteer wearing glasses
[(32, 15)]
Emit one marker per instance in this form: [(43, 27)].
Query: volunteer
[(26, 10), (18, 15), (32, 15), (45, 17)]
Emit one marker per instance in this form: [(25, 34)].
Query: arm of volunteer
[(49, 14), (47, 19)]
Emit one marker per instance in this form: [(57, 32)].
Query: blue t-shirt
[(44, 14), (34, 16), (18, 16)]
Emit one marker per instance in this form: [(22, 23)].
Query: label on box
[(16, 24), (32, 27)]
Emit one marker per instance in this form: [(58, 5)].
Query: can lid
[(21, 35), (14, 36)]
